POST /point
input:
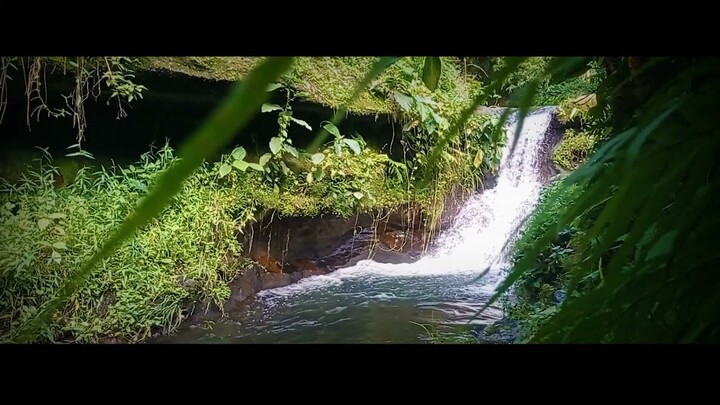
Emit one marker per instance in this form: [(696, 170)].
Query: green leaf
[(59, 245), (358, 195), (431, 72), (317, 158), (276, 144), (255, 166), (478, 158), (224, 170), (274, 86), (378, 67), (331, 128), (57, 215), (240, 165), (301, 122), (43, 223), (291, 150), (270, 107), (264, 159), (56, 256), (216, 131), (338, 149), (239, 153), (403, 100), (353, 144), (309, 178), (276, 189)]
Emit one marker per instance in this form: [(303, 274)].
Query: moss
[(325, 80)]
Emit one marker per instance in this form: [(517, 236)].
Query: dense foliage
[(189, 252), (646, 215)]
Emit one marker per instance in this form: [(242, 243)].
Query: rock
[(268, 263), (275, 280), (246, 284), (392, 240), (559, 296), (504, 331)]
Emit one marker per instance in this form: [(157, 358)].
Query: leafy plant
[(116, 73)]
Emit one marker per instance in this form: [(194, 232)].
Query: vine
[(91, 73)]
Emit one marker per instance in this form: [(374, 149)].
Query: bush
[(574, 149)]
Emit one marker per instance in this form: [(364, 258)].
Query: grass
[(188, 254)]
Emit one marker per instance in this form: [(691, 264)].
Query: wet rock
[(268, 263), (276, 280), (504, 331), (559, 296), (392, 240), (247, 283)]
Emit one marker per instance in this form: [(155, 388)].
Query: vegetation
[(628, 237), (574, 149), (189, 252), (646, 215), (547, 93)]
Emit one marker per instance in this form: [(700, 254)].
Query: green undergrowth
[(574, 149), (534, 296), (188, 254), (548, 93)]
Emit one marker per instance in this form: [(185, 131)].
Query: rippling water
[(383, 303)]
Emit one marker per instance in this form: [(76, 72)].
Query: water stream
[(374, 302)]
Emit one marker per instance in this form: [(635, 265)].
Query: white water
[(476, 239), (374, 302)]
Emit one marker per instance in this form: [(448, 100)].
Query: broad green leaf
[(478, 158), (239, 153), (274, 86), (291, 150), (240, 165), (229, 117), (301, 122), (264, 159), (224, 170), (276, 144), (317, 158), (59, 245), (403, 100), (331, 128), (57, 215), (270, 107), (353, 144), (431, 72), (309, 178), (56, 256), (43, 223), (358, 195), (256, 166)]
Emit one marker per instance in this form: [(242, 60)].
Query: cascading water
[(378, 302)]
